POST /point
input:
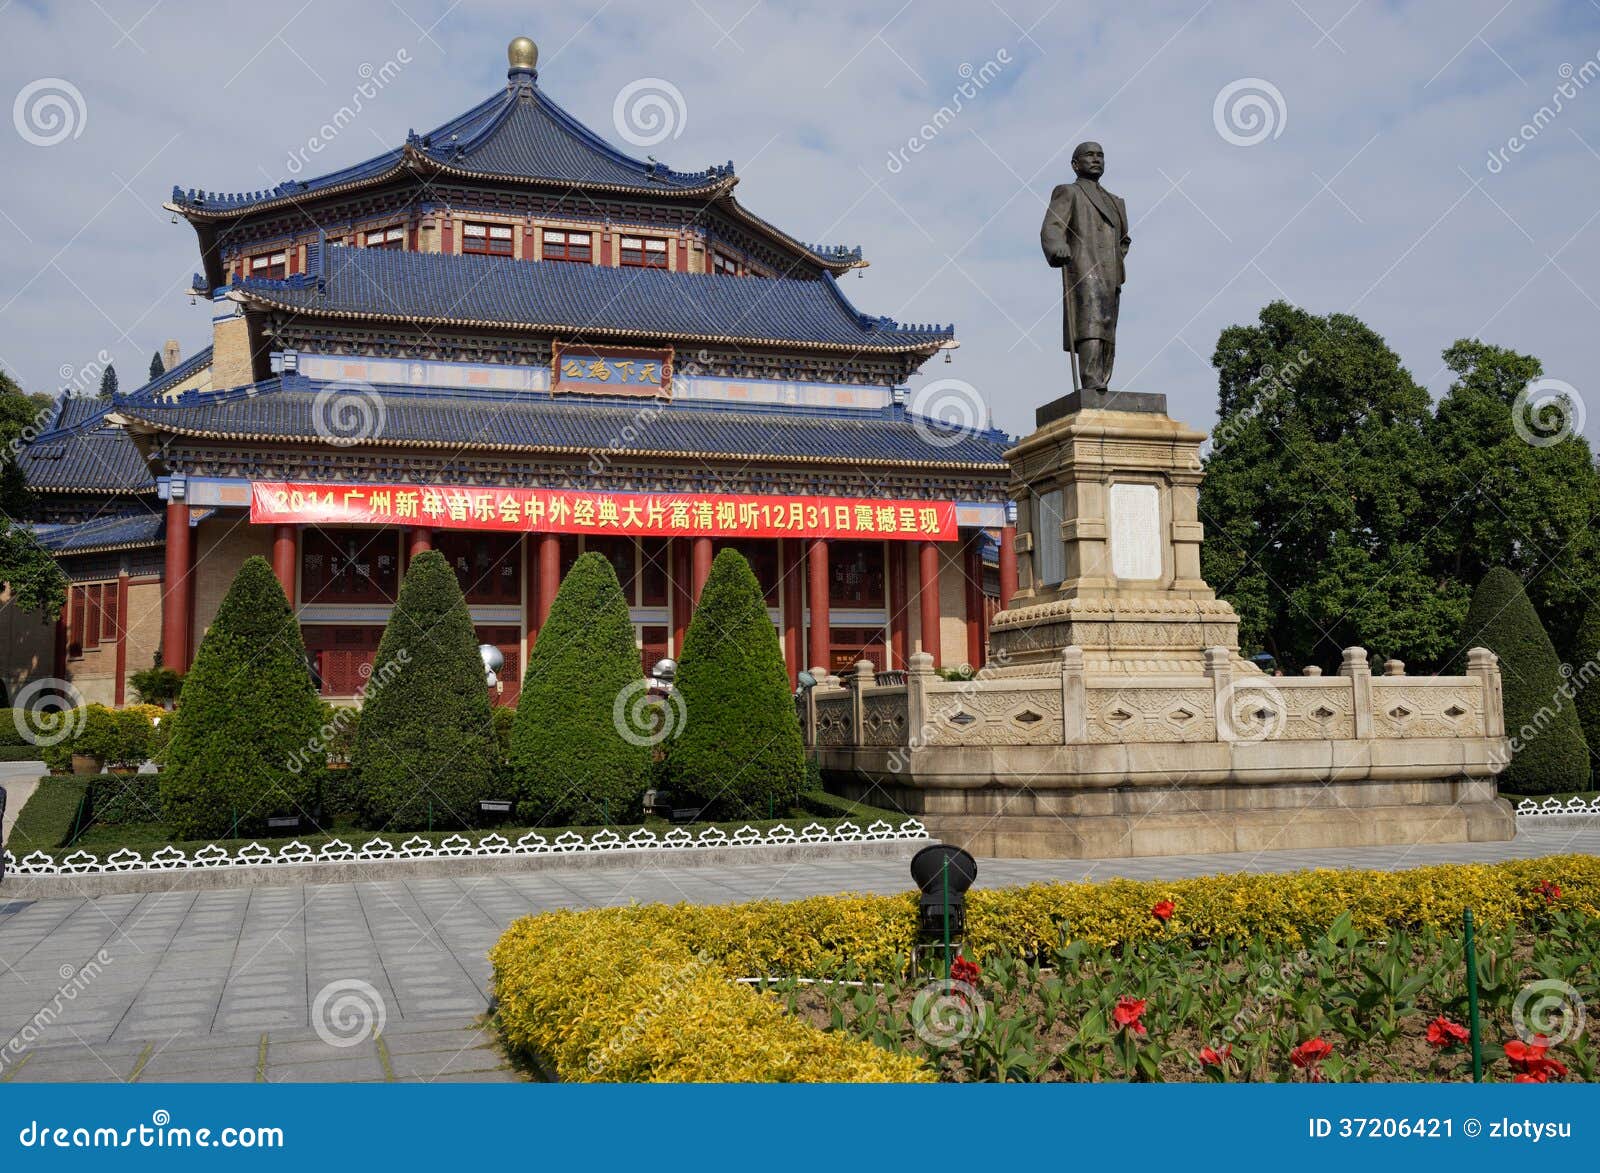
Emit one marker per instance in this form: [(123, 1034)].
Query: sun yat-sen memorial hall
[(508, 341)]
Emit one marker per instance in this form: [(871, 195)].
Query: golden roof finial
[(523, 54)]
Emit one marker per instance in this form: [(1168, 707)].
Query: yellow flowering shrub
[(615, 995), (648, 993)]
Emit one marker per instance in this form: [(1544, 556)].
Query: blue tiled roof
[(586, 300), (287, 409), (517, 133), (173, 377), (112, 531), (82, 452)]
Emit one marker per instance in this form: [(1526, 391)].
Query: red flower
[(1162, 910), (1444, 1033), (962, 970), (1213, 1058), (1128, 1012), (1529, 1060), (1311, 1052), (1549, 890)]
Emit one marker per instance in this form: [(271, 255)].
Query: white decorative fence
[(1528, 808), (171, 859)]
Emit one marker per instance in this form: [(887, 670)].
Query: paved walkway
[(234, 984)]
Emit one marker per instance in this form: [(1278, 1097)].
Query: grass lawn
[(48, 827)]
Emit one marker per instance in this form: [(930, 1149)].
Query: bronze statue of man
[(1085, 235)]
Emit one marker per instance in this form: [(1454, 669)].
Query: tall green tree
[(581, 745), (1313, 493), (1509, 489), (31, 574), (157, 367), (1585, 662), (1549, 754), (736, 750), (426, 750), (108, 381), (244, 737)]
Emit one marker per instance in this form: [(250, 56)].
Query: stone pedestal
[(1109, 546)]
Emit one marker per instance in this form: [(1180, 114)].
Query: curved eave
[(929, 347), (413, 162), (771, 231), (148, 544), (138, 491), (561, 449)]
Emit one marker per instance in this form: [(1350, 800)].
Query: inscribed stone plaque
[(1135, 531)]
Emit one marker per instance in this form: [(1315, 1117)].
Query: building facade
[(510, 342)]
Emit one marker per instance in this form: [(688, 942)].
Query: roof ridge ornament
[(523, 57)]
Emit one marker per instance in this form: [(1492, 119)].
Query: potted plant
[(157, 685)]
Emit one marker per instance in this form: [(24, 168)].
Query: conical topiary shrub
[(1586, 679), (247, 721), (737, 751), (1549, 753), (581, 745), (425, 749)]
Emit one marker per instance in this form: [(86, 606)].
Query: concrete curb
[(15, 887), (1588, 822)]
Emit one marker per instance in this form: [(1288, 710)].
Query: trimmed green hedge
[(737, 751), (569, 754), (1548, 748), (248, 719), (425, 749)]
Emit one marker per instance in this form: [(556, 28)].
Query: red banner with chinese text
[(567, 511)]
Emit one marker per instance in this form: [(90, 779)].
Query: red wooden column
[(972, 572), (177, 588), (530, 592), (899, 609), (821, 636), (283, 561), (928, 597), (701, 554), (1008, 564), (793, 616), (421, 540), (121, 696), (549, 573)]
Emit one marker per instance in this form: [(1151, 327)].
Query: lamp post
[(493, 661)]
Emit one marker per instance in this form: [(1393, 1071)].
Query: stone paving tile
[(195, 979)]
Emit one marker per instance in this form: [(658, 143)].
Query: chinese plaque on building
[(567, 511), (611, 370)]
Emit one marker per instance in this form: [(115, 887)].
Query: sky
[(1388, 160)]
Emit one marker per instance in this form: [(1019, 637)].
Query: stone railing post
[(1485, 665), (1074, 698), (820, 675), (858, 702), (918, 676), (1354, 665), (1219, 666)]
